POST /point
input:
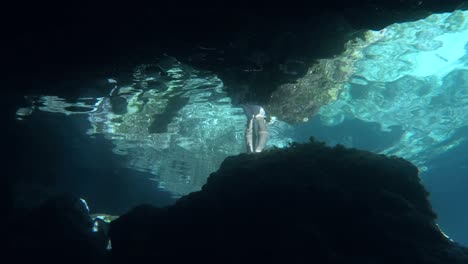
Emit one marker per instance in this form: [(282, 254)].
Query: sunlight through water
[(178, 123)]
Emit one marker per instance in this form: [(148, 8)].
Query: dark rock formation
[(254, 47), (305, 204), (57, 231)]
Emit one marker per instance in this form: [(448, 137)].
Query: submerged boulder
[(308, 203)]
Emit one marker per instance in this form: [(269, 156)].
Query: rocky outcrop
[(304, 204), (254, 47), (60, 230)]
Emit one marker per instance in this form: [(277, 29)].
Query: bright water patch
[(178, 126), (415, 76)]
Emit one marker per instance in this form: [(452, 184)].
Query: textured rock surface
[(304, 204)]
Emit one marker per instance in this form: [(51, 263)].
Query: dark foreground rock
[(60, 230), (305, 204)]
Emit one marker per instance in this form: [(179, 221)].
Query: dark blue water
[(447, 182), (55, 155)]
